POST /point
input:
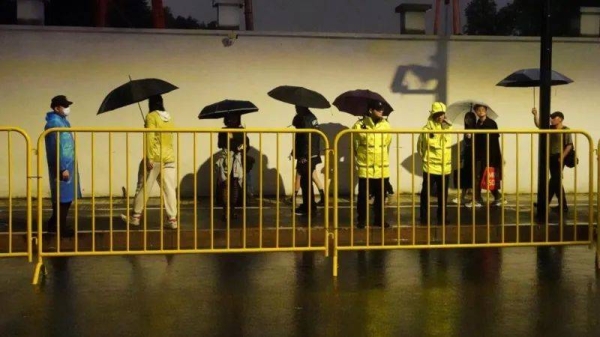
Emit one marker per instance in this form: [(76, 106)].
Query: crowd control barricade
[(109, 163), (15, 209), (504, 216)]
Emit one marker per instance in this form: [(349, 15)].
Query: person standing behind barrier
[(315, 180), (436, 153), (560, 146), (306, 153), (466, 159), (372, 159), (230, 164), (62, 166), (487, 154), (160, 165)]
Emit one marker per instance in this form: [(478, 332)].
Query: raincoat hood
[(164, 115)]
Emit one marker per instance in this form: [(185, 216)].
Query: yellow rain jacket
[(435, 148), (159, 144), (371, 150)]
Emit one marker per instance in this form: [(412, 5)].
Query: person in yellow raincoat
[(160, 165), (436, 154), (372, 159)]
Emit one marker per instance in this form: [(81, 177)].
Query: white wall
[(37, 63)]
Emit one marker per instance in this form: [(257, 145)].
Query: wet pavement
[(469, 292)]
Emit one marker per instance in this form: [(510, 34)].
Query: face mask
[(66, 111)]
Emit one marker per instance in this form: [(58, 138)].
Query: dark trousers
[(305, 172), (376, 187), (480, 169), (233, 194), (555, 184), (440, 183), (64, 211)]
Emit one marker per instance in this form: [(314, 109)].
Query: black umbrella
[(527, 78), (133, 92), (223, 108), (356, 102), (299, 96)]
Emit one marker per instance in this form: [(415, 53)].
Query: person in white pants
[(160, 165)]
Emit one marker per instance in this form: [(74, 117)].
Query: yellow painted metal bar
[(414, 201), (177, 180), (195, 164), (127, 172), (58, 179), (517, 183), (10, 208), (93, 155), (260, 190), (352, 166), (244, 189), (296, 176), (532, 220), (145, 192), (502, 198), (212, 194), (397, 191), (110, 184), (459, 196), (76, 180), (277, 218)]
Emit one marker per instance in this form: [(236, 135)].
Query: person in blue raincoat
[(62, 166)]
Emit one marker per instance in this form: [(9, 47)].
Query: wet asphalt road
[(469, 292)]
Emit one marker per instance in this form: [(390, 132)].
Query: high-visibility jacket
[(371, 150), (435, 148)]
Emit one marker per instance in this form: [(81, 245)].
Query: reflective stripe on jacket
[(435, 149), (371, 150)]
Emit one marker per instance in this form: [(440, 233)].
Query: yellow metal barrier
[(15, 228), (505, 222), (103, 158)]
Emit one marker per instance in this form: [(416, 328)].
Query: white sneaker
[(500, 202), (472, 204), (171, 223), (134, 220)]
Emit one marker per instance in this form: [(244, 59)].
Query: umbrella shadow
[(331, 130)]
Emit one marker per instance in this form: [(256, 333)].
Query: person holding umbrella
[(372, 159), (160, 164), (62, 166), (307, 154), (233, 150), (487, 155), (436, 154), (560, 147)]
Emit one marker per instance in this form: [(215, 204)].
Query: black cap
[(60, 100), (376, 105), (557, 114)]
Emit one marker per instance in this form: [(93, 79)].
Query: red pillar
[(436, 19), (248, 15), (101, 13), (158, 14), (455, 17)]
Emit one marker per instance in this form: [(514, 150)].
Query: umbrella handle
[(139, 106)]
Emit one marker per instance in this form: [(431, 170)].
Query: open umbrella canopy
[(133, 92), (356, 102), (525, 78), (299, 96), (457, 110), (228, 106)]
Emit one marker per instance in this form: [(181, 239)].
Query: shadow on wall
[(207, 170), (344, 159), (429, 79)]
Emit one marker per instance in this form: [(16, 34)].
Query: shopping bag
[(488, 180)]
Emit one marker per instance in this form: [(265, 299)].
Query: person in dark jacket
[(233, 151), (466, 160), (487, 154), (307, 153)]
